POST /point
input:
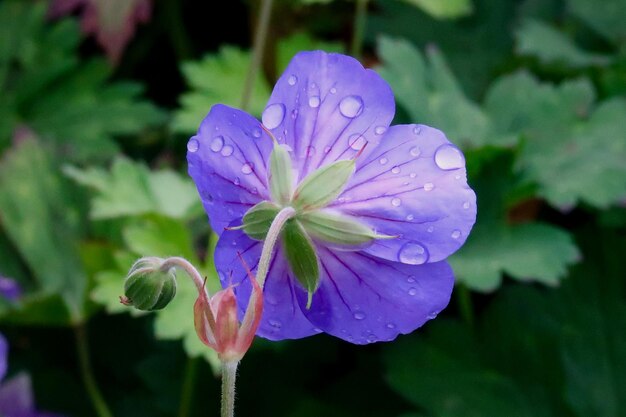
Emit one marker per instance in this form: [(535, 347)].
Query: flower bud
[(150, 284)]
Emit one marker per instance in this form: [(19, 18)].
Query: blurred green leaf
[(39, 213), (429, 92), (287, 48), (553, 47), (444, 9), (571, 150), (216, 79), (130, 188), (44, 87), (607, 17)]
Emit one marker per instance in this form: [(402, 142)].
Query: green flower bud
[(150, 284)]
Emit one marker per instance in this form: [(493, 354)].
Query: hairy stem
[(270, 241), (358, 31), (82, 346), (185, 265), (257, 51), (229, 375), (188, 387)]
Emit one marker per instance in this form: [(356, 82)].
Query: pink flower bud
[(217, 322)]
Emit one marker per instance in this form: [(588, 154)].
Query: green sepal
[(323, 185), (280, 176), (300, 254), (148, 287), (257, 220), (336, 228)]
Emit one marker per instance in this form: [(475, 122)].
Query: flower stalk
[(229, 375), (270, 242)]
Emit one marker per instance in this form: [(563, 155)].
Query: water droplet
[(292, 80), (256, 133), (357, 142), (273, 115), (429, 186), (412, 175), (456, 234), (313, 86), (466, 205), (412, 291), (379, 130), (275, 324), (359, 316), (391, 326), (351, 106), (457, 177), (254, 191), (430, 229), (410, 279), (417, 130), (449, 157), (314, 101), (383, 161), (327, 149), (310, 151), (193, 145), (333, 90), (317, 330), (416, 151), (247, 168), (395, 170), (396, 202), (227, 150), (294, 114), (410, 217), (413, 253), (371, 339), (432, 315), (237, 181), (217, 144)]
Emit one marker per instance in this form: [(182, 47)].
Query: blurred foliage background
[(98, 98)]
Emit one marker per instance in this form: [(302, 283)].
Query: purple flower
[(9, 289), (407, 195)]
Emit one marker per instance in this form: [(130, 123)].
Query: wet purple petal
[(228, 162), (282, 316), (414, 186), (326, 107), (363, 299)]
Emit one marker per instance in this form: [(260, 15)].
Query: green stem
[(358, 32), (270, 241), (257, 51), (229, 375), (464, 298), (189, 383), (82, 346)]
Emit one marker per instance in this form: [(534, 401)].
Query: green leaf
[(288, 47), (130, 188), (429, 92), (553, 47), (323, 185), (217, 79), (571, 150), (300, 254), (607, 17), (444, 9), (39, 213), (257, 220), (45, 87)]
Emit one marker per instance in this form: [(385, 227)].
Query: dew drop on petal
[(432, 315), (395, 170), (275, 324), (417, 130), (359, 316), (357, 142), (379, 130), (193, 145), (246, 168), (410, 217), (310, 151), (412, 291), (292, 80), (294, 113), (466, 205), (430, 229), (455, 234), (429, 186), (448, 157), (412, 175), (237, 181), (217, 144), (391, 326), (396, 202), (383, 161), (256, 133), (227, 150), (273, 115), (416, 151), (327, 149), (413, 253), (410, 279), (333, 90), (314, 101), (351, 106)]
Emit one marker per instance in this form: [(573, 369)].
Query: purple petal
[(16, 397), (363, 299), (414, 186), (10, 289), (227, 161), (327, 107), (282, 316), (4, 354)]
